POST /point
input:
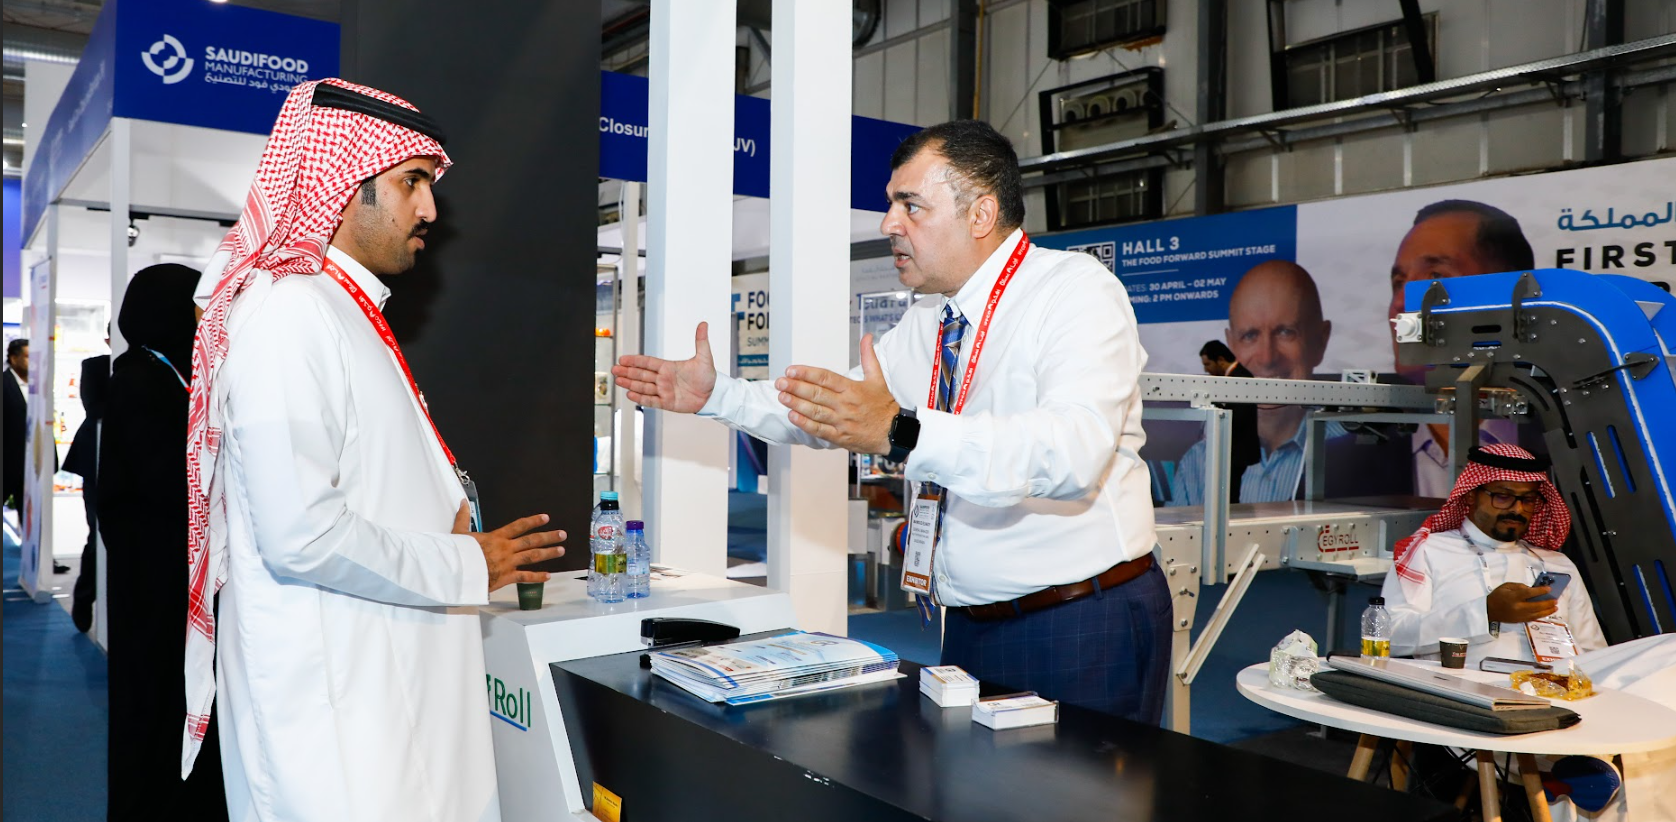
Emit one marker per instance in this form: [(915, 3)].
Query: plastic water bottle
[(1376, 630), (610, 563), (639, 582), (594, 527)]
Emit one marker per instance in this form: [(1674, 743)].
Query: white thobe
[(1043, 469), (1462, 567), (349, 656)]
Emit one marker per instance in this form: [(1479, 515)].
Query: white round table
[(1613, 723)]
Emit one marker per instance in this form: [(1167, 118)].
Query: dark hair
[(1217, 350), (13, 347), (369, 191), (1501, 242), (983, 159)]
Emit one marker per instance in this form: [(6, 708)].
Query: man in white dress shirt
[(1471, 571), (348, 656), (1014, 400)]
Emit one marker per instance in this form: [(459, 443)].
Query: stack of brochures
[(790, 664), (1014, 711), (948, 685)]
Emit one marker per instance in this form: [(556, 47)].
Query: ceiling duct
[(26, 44)]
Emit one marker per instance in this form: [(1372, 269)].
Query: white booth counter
[(531, 742)]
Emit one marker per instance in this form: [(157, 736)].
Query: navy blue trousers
[(1108, 652)]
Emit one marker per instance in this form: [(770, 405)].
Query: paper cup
[(1453, 652), (529, 595)]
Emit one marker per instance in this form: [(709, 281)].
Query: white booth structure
[(146, 159)]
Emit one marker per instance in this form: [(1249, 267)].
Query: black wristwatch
[(904, 435)]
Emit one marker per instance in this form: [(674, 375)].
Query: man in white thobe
[(348, 656), (1472, 571)]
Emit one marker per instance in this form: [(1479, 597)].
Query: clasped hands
[(851, 414)]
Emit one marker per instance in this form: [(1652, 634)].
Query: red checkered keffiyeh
[(1548, 528), (315, 160)]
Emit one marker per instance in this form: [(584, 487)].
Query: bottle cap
[(635, 525), (1379, 601), (608, 495)]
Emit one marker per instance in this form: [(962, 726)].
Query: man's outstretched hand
[(512, 546), (852, 414), (668, 385)]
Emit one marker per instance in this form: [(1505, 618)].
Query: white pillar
[(628, 342), (688, 265), (808, 278), (121, 182)]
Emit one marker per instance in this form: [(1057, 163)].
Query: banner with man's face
[(1305, 290)]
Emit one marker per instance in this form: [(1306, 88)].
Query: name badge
[(922, 544), (470, 489), (1551, 639)]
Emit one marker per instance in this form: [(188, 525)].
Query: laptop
[(1398, 672)]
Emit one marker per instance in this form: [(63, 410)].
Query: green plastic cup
[(529, 595)]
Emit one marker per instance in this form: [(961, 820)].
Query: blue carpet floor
[(55, 714)]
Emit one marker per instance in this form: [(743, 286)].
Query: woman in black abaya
[(142, 517)]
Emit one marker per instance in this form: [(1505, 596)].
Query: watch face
[(904, 431)]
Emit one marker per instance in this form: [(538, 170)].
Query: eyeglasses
[(1503, 502)]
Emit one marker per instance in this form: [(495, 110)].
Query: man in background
[(83, 460), (1453, 238), (1243, 450), (17, 419)]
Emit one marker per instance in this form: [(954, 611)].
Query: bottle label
[(605, 530)]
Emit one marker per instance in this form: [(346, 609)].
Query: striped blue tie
[(953, 331)]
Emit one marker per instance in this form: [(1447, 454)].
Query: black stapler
[(664, 633), (661, 632)]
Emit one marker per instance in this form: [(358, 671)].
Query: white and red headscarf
[(1491, 463), (316, 158)]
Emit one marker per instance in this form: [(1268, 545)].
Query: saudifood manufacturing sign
[(171, 61), (212, 65)]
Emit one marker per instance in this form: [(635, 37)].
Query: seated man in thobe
[(1470, 572)]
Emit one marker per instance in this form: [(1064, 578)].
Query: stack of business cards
[(1015, 711), (948, 686)]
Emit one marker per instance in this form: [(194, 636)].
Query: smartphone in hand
[(1554, 581)]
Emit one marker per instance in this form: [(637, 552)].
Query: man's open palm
[(681, 386)]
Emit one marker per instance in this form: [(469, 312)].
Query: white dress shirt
[(1462, 567), (349, 659), (1046, 483)]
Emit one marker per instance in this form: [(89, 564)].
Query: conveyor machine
[(1592, 355)]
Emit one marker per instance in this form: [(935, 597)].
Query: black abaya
[(143, 519)]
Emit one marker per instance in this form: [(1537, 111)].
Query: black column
[(497, 320)]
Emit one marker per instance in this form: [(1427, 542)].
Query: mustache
[(900, 248), (419, 230), (1513, 518)]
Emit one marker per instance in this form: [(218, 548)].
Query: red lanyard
[(376, 317), (1007, 272)]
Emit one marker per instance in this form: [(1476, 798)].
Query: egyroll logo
[(514, 706)]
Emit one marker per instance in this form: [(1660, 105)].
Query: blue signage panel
[(215, 65), (77, 122), (1181, 270), (624, 114)]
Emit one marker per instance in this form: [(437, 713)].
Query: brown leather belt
[(1059, 594)]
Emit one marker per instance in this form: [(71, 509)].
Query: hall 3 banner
[(1306, 290)]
